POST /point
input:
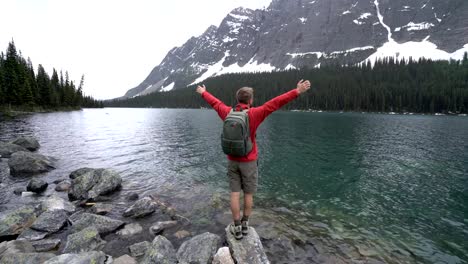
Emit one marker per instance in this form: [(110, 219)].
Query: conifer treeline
[(422, 86), (21, 87)]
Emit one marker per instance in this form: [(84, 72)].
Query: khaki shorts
[(243, 176)]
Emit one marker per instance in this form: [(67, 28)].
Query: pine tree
[(11, 82), (43, 85)]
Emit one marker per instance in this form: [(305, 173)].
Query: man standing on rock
[(242, 170)]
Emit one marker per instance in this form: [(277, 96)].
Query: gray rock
[(79, 172), (247, 250), (32, 235), (7, 149), (15, 246), (63, 186), (28, 143), (46, 245), (130, 230), (91, 257), (141, 208), (139, 249), (87, 239), (199, 249), (132, 196), (15, 222), (26, 258), (26, 163), (36, 185), (103, 224), (125, 259), (89, 184), (51, 221), (57, 203), (223, 256), (159, 227), (160, 251), (19, 190), (102, 208)]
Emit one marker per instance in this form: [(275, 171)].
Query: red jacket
[(256, 116)]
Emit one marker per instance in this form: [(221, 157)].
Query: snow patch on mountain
[(239, 17), (415, 50), (294, 55), (167, 88), (228, 39), (419, 26), (351, 50), (365, 15), (218, 68)]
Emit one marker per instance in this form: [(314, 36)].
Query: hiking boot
[(236, 231), (245, 227)]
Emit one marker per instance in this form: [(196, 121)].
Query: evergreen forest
[(22, 88), (387, 85)]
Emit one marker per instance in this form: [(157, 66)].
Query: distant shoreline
[(316, 111)]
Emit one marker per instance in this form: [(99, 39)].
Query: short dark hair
[(244, 95)]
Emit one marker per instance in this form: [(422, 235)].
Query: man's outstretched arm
[(276, 103), (217, 105)]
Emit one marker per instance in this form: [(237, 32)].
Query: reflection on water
[(394, 186)]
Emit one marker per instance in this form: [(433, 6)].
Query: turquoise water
[(396, 186)]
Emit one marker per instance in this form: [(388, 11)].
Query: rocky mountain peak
[(292, 34)]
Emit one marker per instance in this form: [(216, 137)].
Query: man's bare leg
[(235, 206), (248, 204)]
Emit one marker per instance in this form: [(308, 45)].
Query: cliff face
[(298, 33)]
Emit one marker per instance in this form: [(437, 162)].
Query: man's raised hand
[(201, 89), (303, 86)]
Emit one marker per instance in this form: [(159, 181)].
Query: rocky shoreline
[(29, 233), (86, 218)]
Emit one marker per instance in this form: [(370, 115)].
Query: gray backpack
[(235, 139)]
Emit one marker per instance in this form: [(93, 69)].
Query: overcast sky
[(114, 43)]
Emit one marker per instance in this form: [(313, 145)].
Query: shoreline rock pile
[(56, 231)]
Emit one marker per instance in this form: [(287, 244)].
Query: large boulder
[(51, 221), (199, 249), (36, 185), (143, 207), (103, 224), (56, 203), (91, 257), (91, 183), (160, 251), (7, 149), (28, 143), (247, 250), (223, 256), (26, 258), (26, 163), (15, 222), (87, 239)]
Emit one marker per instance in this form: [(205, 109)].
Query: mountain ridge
[(293, 34)]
